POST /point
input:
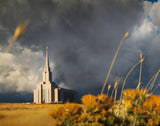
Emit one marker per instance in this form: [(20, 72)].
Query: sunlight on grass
[(26, 115)]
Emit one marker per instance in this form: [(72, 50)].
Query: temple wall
[(56, 95)]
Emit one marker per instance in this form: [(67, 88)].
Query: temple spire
[(47, 59), (47, 75)]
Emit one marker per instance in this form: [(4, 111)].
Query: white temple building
[(48, 92)]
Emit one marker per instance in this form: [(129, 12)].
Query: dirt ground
[(26, 115)]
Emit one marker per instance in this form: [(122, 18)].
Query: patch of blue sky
[(157, 32), (149, 18), (152, 0)]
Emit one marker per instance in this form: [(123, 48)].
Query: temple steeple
[(47, 59), (47, 75)]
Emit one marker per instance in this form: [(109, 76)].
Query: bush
[(136, 108)]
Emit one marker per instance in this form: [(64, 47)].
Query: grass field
[(26, 115)]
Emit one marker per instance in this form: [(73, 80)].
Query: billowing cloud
[(22, 70), (154, 50), (154, 13), (82, 36)]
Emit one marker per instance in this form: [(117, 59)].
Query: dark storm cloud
[(82, 35)]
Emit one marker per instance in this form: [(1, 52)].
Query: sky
[(82, 36), (151, 0)]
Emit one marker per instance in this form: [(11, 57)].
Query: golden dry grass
[(26, 115)]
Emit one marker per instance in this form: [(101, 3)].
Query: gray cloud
[(82, 36), (20, 71), (154, 50), (154, 13)]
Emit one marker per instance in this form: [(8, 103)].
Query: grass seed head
[(126, 35), (141, 56), (109, 86), (20, 30)]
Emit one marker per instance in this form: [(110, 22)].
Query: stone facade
[(48, 92)]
